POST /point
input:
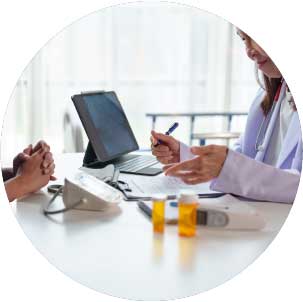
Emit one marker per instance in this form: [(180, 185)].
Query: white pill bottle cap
[(188, 196), (159, 197)]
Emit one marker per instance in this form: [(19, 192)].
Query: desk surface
[(118, 254)]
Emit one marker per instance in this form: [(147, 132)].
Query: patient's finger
[(41, 145), (47, 160), (28, 150), (49, 170)]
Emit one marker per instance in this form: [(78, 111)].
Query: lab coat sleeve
[(238, 146), (252, 179), (185, 153)]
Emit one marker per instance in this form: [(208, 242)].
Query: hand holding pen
[(165, 147), (168, 132)]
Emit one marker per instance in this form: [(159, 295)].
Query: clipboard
[(144, 188)]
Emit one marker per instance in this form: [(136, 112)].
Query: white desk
[(118, 254)]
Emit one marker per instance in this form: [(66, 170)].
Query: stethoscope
[(265, 122)]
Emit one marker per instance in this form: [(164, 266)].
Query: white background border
[(25, 26)]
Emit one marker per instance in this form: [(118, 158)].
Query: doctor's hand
[(204, 167), (168, 151)]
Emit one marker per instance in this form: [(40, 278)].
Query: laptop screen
[(106, 124)]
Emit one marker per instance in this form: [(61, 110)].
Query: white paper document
[(144, 187)]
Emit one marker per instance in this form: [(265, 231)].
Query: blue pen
[(168, 132)]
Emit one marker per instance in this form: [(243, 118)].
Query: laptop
[(111, 139)]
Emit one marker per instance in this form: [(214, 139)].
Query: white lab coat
[(244, 172)]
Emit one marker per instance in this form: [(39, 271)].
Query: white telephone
[(86, 192)]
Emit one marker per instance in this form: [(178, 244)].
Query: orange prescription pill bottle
[(158, 213), (187, 205)]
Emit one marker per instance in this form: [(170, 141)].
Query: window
[(157, 57)]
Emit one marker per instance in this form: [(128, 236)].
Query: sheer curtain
[(158, 58)]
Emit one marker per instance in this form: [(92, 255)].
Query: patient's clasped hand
[(32, 169)]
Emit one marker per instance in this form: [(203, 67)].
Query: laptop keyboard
[(136, 164)]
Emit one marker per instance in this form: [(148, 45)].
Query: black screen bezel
[(90, 130)]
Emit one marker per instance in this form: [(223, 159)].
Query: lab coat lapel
[(269, 131), (291, 139)]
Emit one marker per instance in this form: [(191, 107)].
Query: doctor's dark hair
[(270, 85)]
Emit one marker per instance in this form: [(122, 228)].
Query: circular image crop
[(151, 151)]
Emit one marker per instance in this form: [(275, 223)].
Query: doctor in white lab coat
[(266, 162)]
